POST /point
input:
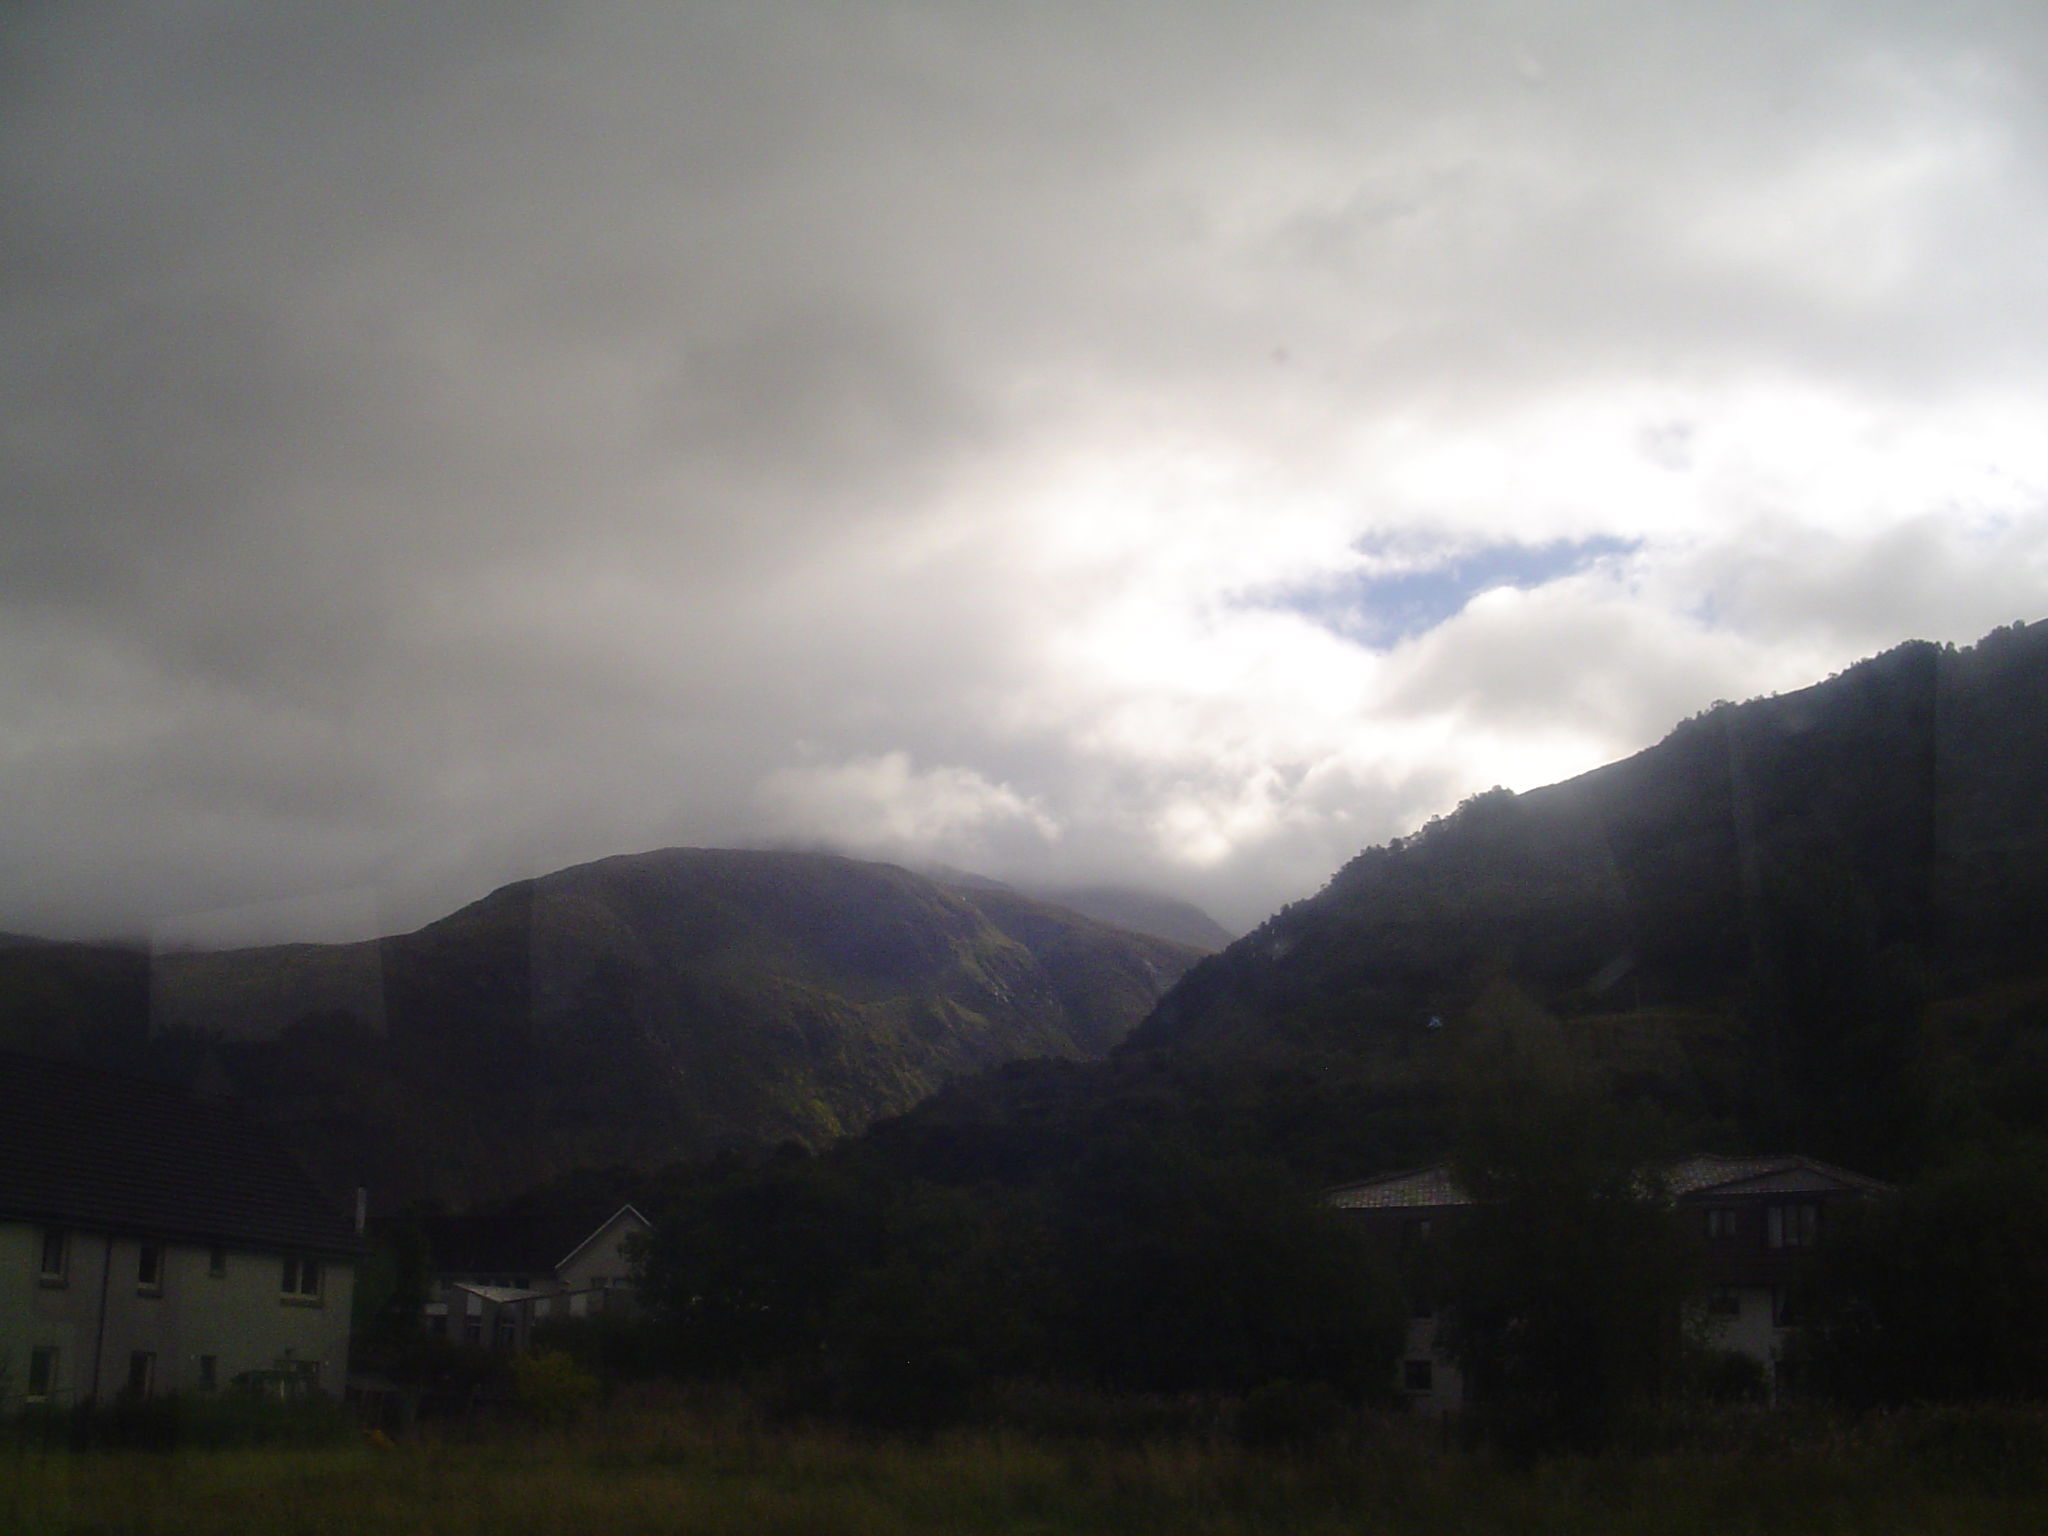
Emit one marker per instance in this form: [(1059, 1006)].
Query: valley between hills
[(637, 1011)]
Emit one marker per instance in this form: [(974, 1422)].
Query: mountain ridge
[(638, 1009)]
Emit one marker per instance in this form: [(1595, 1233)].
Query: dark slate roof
[(510, 1242), (106, 1152)]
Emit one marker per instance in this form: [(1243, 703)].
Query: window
[(472, 1329), (301, 1278), (1786, 1311), (1792, 1226), (149, 1269), (1720, 1222), (504, 1329), (56, 1260), (1418, 1375), (141, 1373), (216, 1261), (209, 1372), (42, 1373)]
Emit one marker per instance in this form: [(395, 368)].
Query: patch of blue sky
[(1386, 607)]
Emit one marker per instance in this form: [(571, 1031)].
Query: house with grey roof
[(1757, 1218), (154, 1243)]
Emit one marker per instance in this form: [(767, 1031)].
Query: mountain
[(637, 1010), (1120, 906), (1141, 912), (1819, 919)]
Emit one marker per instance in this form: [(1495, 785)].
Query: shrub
[(551, 1388), (1290, 1415)]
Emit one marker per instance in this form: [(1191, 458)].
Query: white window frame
[(56, 1239), (47, 1357), (302, 1279)]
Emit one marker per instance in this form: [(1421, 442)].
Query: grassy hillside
[(639, 1010)]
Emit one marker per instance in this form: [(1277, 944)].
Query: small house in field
[(1757, 1217), (154, 1243), (495, 1276)]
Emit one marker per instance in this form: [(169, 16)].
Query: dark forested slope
[(1820, 918)]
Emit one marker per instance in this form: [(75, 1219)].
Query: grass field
[(668, 1472)]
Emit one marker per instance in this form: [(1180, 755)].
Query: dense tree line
[(861, 1284)]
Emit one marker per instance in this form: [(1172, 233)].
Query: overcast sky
[(1179, 443)]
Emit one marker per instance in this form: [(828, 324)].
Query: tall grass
[(689, 1469)]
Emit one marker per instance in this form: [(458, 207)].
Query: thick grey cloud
[(443, 442)]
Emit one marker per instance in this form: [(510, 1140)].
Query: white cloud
[(883, 804), (442, 445)]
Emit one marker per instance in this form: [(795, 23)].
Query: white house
[(155, 1243), (496, 1276)]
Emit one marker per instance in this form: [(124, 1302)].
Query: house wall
[(465, 1317), (605, 1260), (102, 1314), (1446, 1391), (1752, 1328)]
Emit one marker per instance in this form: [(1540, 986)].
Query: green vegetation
[(1937, 1295), (1983, 1472), (1814, 922), (886, 1295), (1805, 924), (642, 1009), (1564, 1288)]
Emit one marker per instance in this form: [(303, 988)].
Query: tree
[(1565, 1283), (1193, 1273), (1937, 1294)]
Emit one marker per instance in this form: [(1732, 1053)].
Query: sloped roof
[(105, 1151), (499, 1294), (599, 1231), (1418, 1189), (1702, 1174), (1783, 1175), (512, 1242)]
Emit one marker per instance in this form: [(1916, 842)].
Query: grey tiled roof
[(1784, 1175), (107, 1152), (1419, 1189), (1705, 1173)]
